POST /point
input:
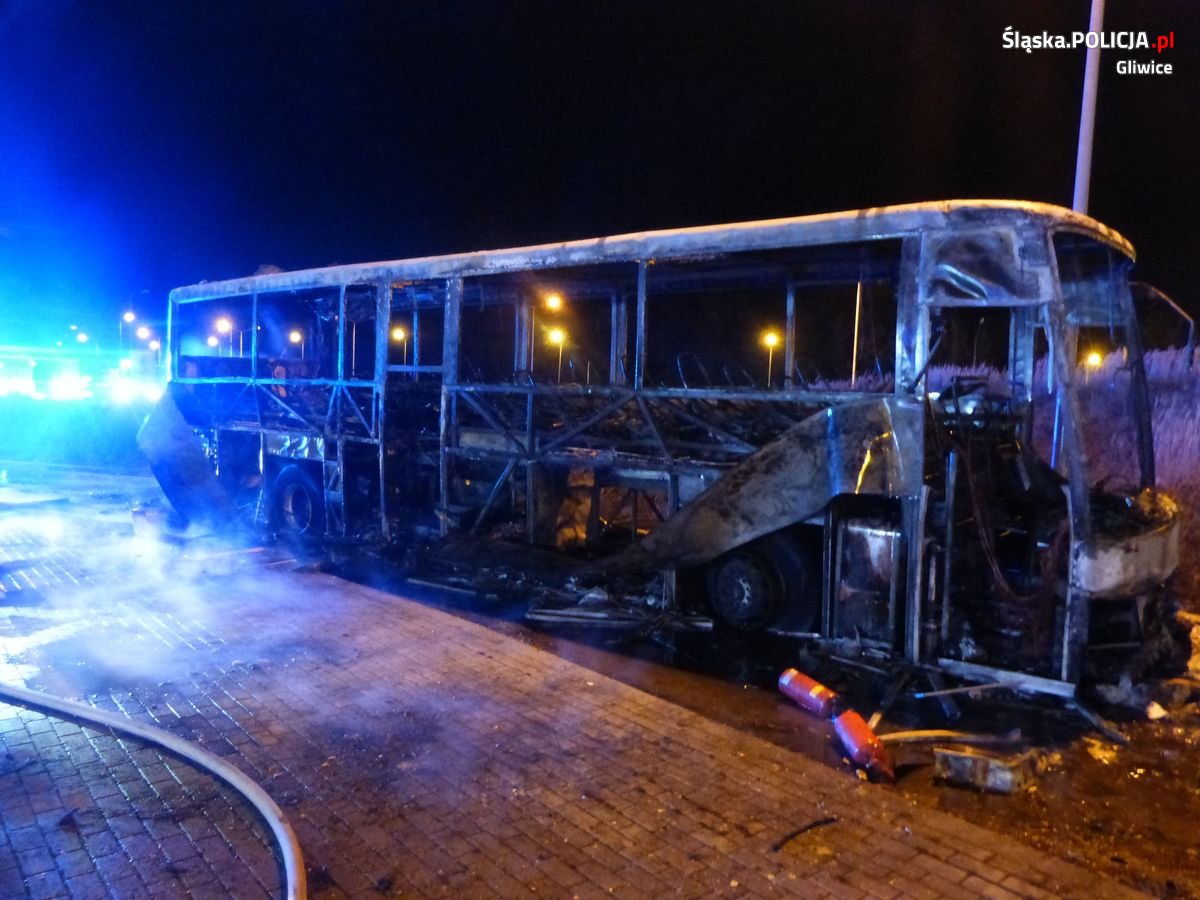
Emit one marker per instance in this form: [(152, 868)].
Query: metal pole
[(854, 352), (789, 338), (1087, 115), (639, 341)]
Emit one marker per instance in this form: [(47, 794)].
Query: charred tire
[(764, 583), (297, 504)]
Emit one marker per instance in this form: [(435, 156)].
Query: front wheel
[(297, 504), (764, 583)]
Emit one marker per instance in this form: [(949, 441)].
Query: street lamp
[(296, 336), (559, 337), (400, 336), (155, 345), (224, 326), (1092, 361), (127, 318), (770, 340), (213, 340), (143, 333), (553, 302)]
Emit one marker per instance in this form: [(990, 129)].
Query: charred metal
[(911, 477)]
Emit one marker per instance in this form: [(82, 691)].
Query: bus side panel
[(181, 467)]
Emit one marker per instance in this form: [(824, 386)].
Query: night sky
[(149, 145)]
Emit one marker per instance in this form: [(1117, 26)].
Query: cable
[(296, 886)]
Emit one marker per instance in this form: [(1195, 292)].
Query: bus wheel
[(766, 582), (298, 505)]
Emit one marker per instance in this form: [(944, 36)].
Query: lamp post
[(553, 302), (296, 336), (1087, 113), (225, 326), (1092, 361), (559, 337), (401, 336), (770, 340)]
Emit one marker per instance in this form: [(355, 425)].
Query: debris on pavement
[(792, 835), (1101, 751), (1154, 711), (971, 767), (931, 735)]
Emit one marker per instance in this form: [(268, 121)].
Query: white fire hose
[(295, 887)]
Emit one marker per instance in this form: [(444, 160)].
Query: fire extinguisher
[(863, 746), (808, 693)]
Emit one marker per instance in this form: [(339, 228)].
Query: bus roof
[(875, 223)]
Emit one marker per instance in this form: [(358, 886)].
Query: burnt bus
[(876, 427)]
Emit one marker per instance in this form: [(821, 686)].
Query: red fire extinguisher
[(863, 746), (808, 693)]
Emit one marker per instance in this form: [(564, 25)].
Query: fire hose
[(295, 885)]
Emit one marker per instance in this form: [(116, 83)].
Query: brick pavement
[(418, 754)]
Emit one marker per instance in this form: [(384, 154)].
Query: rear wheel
[(298, 504), (765, 583)]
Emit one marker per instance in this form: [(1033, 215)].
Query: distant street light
[(126, 319), (143, 333), (81, 336), (554, 303), (224, 325), (213, 340), (296, 336), (400, 336), (770, 340)]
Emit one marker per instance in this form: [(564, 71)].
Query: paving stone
[(418, 754)]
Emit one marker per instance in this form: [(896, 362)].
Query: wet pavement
[(416, 753)]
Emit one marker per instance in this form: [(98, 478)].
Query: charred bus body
[(866, 427)]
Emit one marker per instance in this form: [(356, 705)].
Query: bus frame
[(827, 474)]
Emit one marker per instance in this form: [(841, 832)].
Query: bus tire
[(297, 504), (766, 582)]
